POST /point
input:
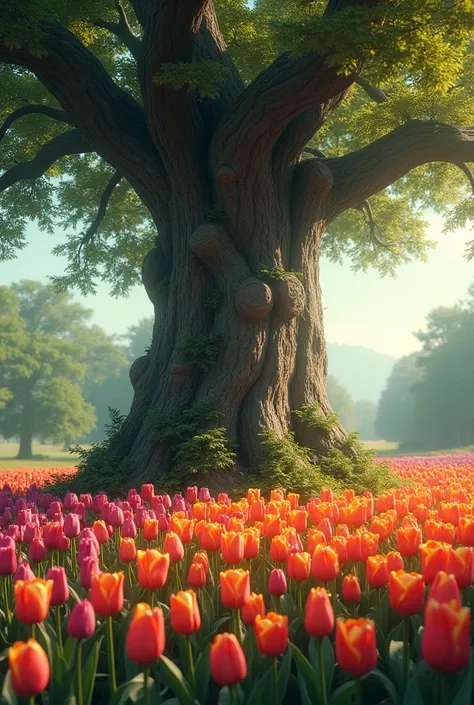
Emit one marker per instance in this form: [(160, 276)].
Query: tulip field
[(195, 599)]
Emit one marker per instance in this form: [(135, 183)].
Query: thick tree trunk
[(271, 357), (26, 445)]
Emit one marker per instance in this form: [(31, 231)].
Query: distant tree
[(139, 338), (365, 412), (41, 365), (341, 402), (395, 413), (444, 396)]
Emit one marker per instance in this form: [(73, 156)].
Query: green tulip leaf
[(176, 681)]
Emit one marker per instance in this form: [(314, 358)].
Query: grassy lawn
[(46, 456)]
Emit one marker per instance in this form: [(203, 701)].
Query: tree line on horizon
[(60, 376)]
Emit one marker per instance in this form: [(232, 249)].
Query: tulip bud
[(444, 588), (235, 588), (60, 592), (8, 562), (32, 598), (29, 668), (72, 526), (88, 568), (147, 492), (446, 642), (184, 613), (174, 547), (145, 641), (351, 589), (356, 650), (81, 623), (271, 632), (394, 561), (23, 572), (254, 606), (127, 550), (277, 583), (106, 594), (129, 529), (377, 571), (196, 575), (37, 551), (406, 592), (191, 494), (228, 665), (153, 568), (319, 615)]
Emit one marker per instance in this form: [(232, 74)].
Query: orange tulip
[(382, 527), (406, 592), (32, 598), (294, 500), (253, 495), (271, 632), (433, 556), (319, 615), (356, 650), (279, 549), (272, 526), (150, 529), (211, 537), (29, 668), (358, 515), (145, 640), (184, 528), (153, 568), (339, 544), (325, 563), (235, 588), (460, 563), (197, 575), (127, 550), (298, 519), (228, 664), (351, 591), (202, 559), (444, 588), (377, 571), (232, 547), (369, 544), (100, 531), (201, 511), (446, 641), (236, 525), (257, 510), (315, 537), (449, 513), (173, 545), (343, 530), (277, 495), (251, 537), (394, 561), (106, 593), (184, 613), (299, 566), (254, 606), (465, 531), (408, 541), (354, 548)]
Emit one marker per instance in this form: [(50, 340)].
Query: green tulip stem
[(80, 696), (5, 599), (111, 655), (406, 652), (237, 626), (358, 692), (31, 700), (232, 695), (146, 688), (275, 681), (33, 631), (57, 612), (319, 645), (191, 661), (74, 558)]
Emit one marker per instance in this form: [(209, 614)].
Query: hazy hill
[(362, 371)]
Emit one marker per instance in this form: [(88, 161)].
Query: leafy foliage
[(395, 414), (204, 78), (202, 350), (314, 417), (286, 464), (197, 444)]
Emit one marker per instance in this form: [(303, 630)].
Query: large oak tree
[(231, 144)]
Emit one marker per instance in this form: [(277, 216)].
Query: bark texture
[(239, 216)]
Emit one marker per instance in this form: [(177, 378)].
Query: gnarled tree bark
[(238, 158)]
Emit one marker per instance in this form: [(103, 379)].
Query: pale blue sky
[(360, 309)]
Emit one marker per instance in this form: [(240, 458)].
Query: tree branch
[(102, 210), (71, 142), (372, 91), (53, 113), (290, 87), (360, 174), (171, 113), (109, 118), (365, 208), (123, 31)]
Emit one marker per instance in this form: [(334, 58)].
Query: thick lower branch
[(53, 113), (359, 175)]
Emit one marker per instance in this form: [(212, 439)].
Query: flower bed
[(207, 600)]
